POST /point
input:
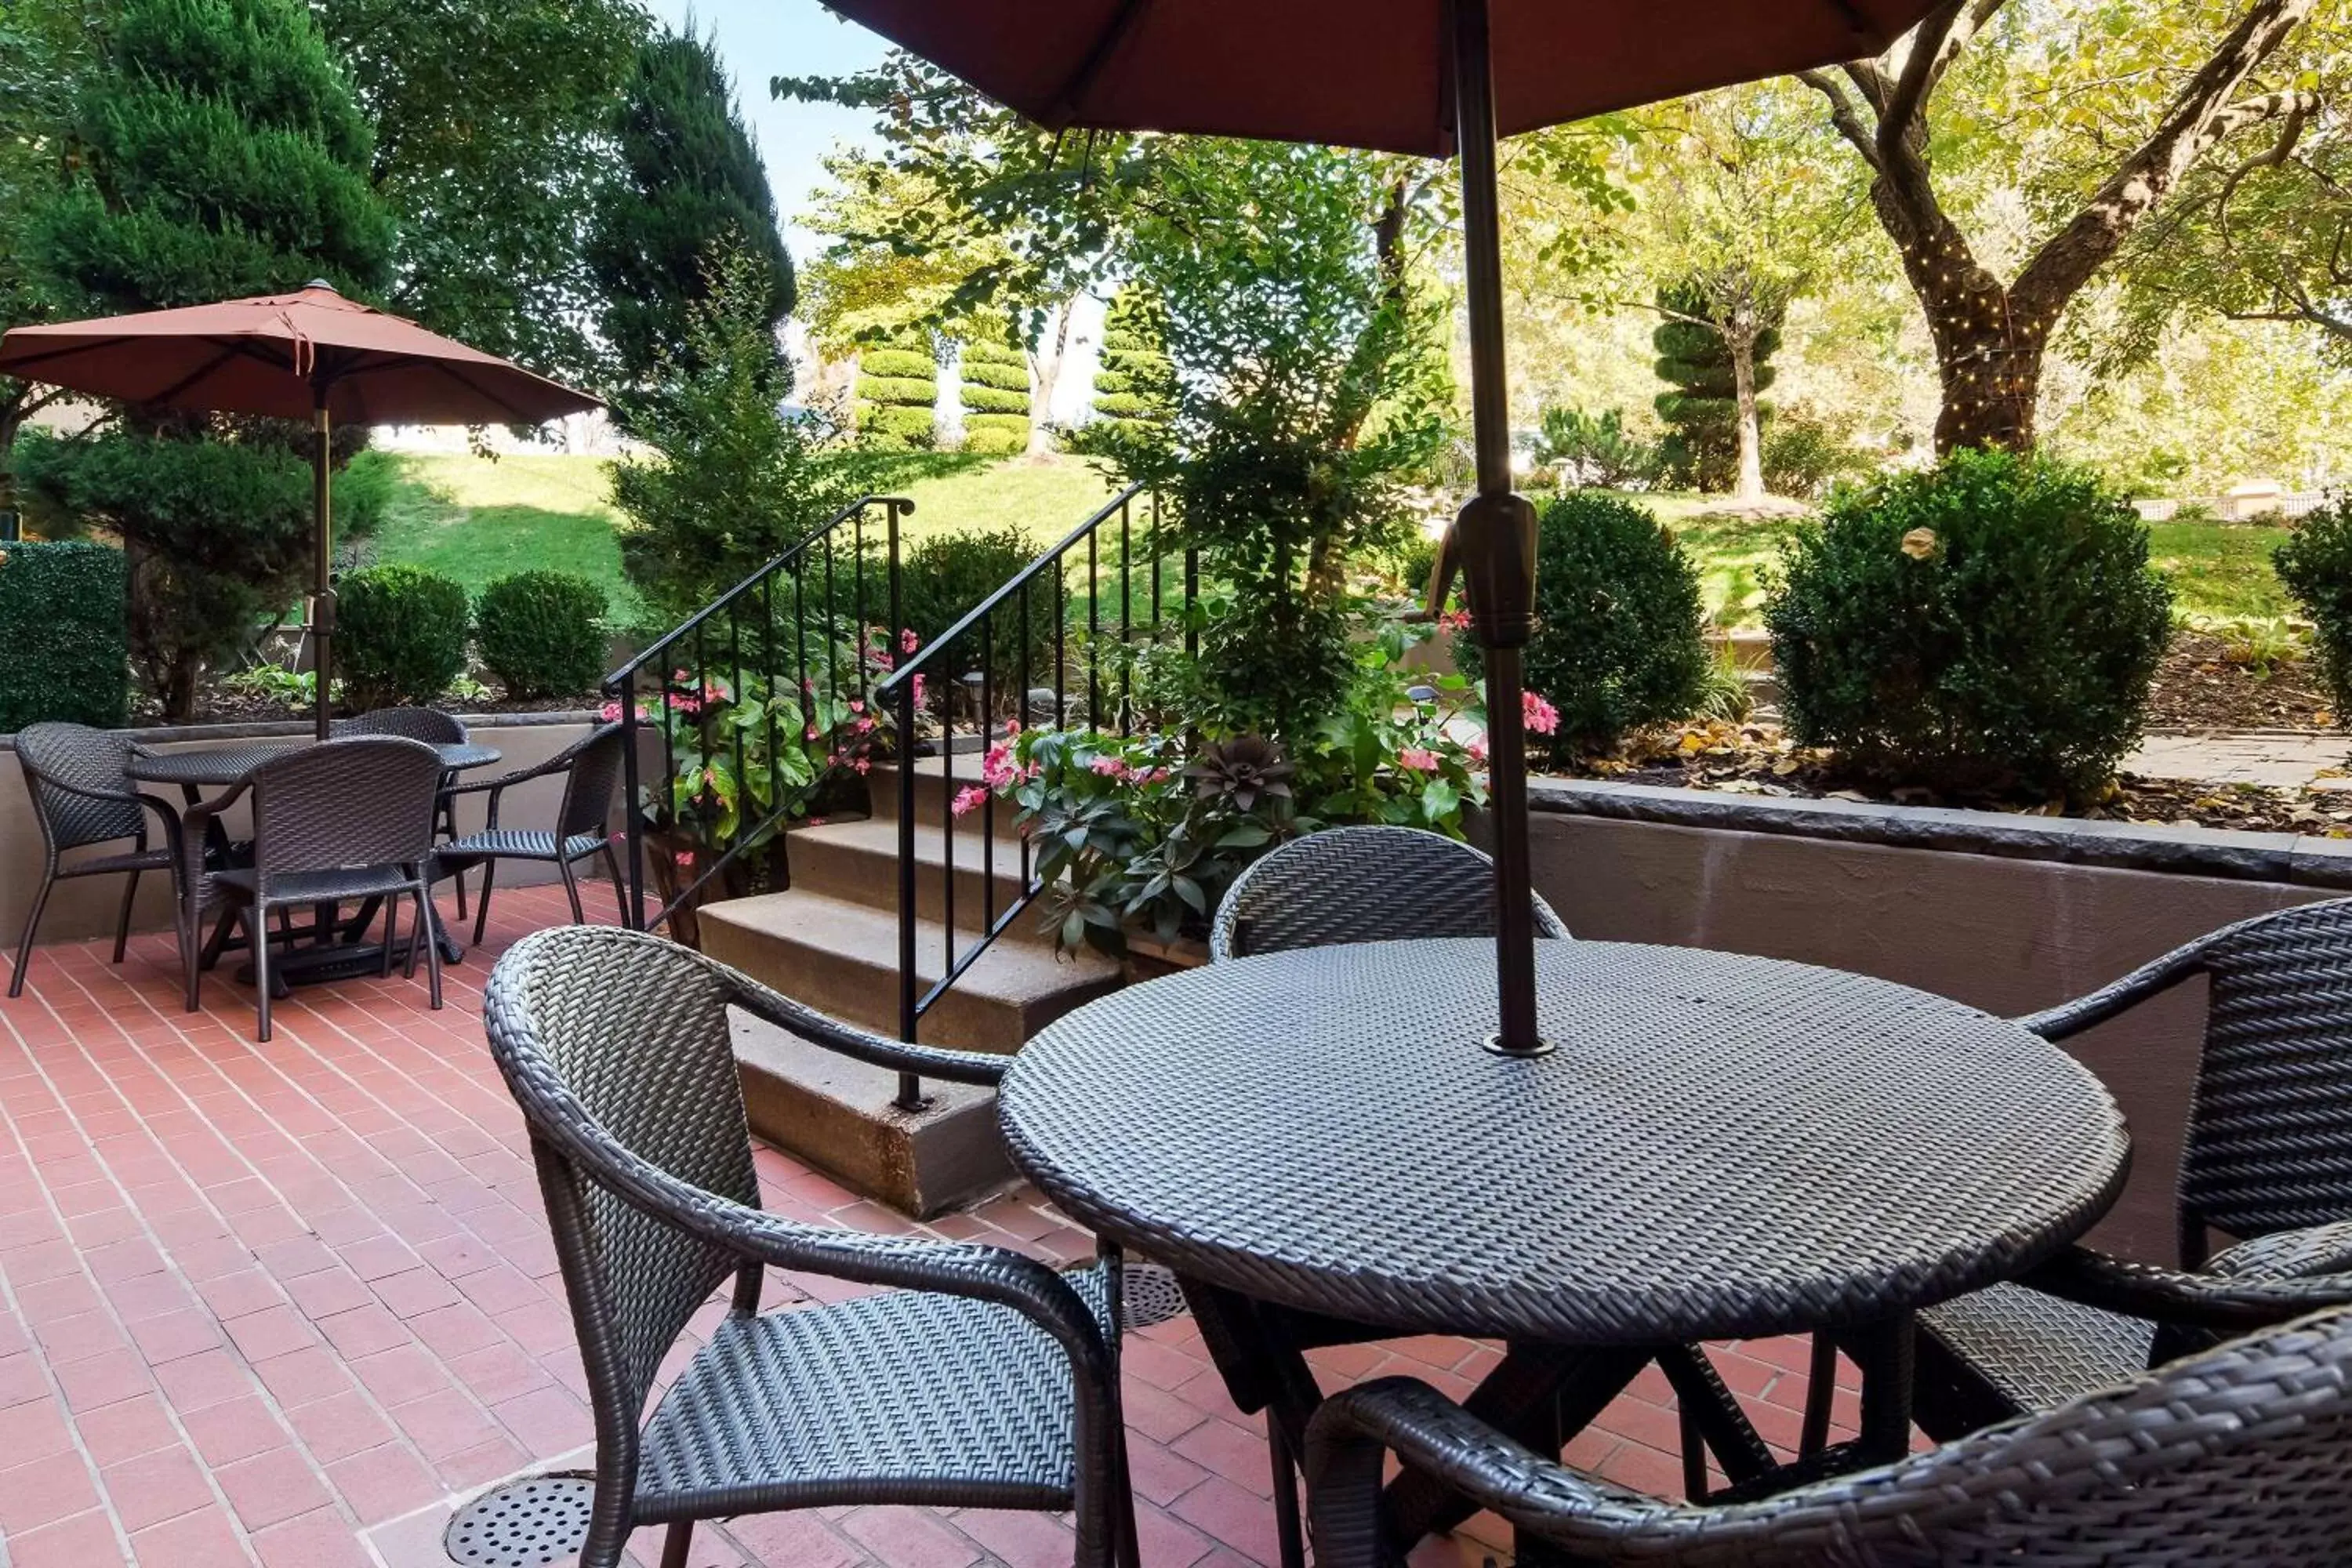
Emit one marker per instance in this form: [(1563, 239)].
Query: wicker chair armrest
[(1431, 1434), (2151, 979), (2169, 1298), (554, 764), (2288, 1254), (982, 1067)]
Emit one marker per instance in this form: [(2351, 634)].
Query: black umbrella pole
[(1494, 538), (322, 597)]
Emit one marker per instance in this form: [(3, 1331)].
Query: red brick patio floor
[(290, 1304)]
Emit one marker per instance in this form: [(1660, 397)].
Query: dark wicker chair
[(2241, 1455), (591, 767), (82, 799), (2267, 1156), (1361, 884), (433, 728), (988, 1380), (345, 821)]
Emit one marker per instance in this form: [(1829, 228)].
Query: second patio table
[(1719, 1147)]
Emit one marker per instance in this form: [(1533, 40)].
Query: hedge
[(542, 634), (898, 361), (62, 624), (400, 635), (994, 400), (896, 422), (901, 390), (995, 434)]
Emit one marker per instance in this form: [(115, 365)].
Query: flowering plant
[(1405, 749)]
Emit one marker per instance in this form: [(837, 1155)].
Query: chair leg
[(620, 883), (257, 926), (482, 899), (1821, 1388), (32, 925), (122, 921), (677, 1544), (424, 936), (572, 891), (392, 936), (1291, 1539)]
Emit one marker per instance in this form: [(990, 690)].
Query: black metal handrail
[(683, 676), (981, 639)]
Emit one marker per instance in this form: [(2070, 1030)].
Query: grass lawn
[(477, 521)]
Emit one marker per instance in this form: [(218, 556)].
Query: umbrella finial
[(322, 284)]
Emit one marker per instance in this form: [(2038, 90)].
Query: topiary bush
[(2315, 565), (897, 384), (1620, 641), (1990, 625), (995, 398), (543, 633), (400, 635), (62, 622), (944, 576)]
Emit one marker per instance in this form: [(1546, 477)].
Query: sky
[(760, 40)]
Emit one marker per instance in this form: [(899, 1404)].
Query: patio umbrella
[(1435, 77), (307, 355)]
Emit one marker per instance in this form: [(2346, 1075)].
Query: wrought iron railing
[(747, 697), (1056, 648)]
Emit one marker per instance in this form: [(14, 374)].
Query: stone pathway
[(2285, 758)]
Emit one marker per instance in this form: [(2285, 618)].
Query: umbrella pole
[(1495, 537), (322, 596)]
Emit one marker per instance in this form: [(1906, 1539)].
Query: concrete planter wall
[(85, 907), (2008, 913)]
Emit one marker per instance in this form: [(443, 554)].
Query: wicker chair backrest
[(66, 765), (426, 725), (2269, 1143), (588, 789), (1361, 884), (363, 801), (611, 1041)]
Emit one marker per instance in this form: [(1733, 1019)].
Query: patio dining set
[(1311, 1136), (341, 830)]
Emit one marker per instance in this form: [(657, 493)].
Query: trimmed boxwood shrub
[(995, 397), (898, 384), (400, 635), (2315, 565), (1135, 381), (945, 575), (1621, 638), (543, 633), (1990, 625), (907, 362), (62, 624)]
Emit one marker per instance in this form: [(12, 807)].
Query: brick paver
[(289, 1304)]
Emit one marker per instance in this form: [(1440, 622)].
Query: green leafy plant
[(269, 681), (2315, 566), (61, 621), (1724, 692), (1990, 625), (1620, 639), (543, 633), (942, 578), (995, 397), (1593, 448), (1805, 453), (400, 635)]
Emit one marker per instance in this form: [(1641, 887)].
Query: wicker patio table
[(1719, 1147), (223, 766)]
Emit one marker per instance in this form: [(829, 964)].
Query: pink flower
[(683, 859), (864, 725), (882, 659), (808, 684), (865, 766), (611, 712), (1108, 767), (809, 734), (969, 800), (1419, 758), (919, 691), (908, 642), (1542, 717), (856, 706), (996, 768), (1477, 749), (1454, 621)]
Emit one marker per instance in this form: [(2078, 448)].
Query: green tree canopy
[(692, 185)]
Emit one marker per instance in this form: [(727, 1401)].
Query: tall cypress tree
[(216, 152), (1701, 448), (691, 188), (1136, 382)]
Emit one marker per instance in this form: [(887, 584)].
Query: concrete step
[(857, 861), (937, 780), (840, 957)]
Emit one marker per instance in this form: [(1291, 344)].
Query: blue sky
[(763, 38)]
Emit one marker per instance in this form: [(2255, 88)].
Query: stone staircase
[(832, 940)]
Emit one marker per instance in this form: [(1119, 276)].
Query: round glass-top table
[(1719, 1146)]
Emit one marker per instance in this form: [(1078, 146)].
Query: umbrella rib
[(194, 376), (452, 371), (1852, 15), (1122, 21)]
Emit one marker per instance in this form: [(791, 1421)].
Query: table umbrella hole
[(526, 1524), (1148, 1294)]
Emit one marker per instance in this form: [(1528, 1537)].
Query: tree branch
[(1931, 48), (1845, 115)]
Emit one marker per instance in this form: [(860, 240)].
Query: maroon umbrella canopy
[(1362, 73), (1434, 77)]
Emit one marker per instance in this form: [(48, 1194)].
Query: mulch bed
[(1756, 758), (2203, 684)]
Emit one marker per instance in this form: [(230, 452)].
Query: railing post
[(910, 1087), (1191, 599), (634, 816)]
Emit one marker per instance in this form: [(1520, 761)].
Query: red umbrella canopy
[(267, 355), (1363, 73)]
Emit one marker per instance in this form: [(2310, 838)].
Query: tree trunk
[(1045, 374), (1741, 340)]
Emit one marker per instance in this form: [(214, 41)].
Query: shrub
[(62, 620), (1593, 448), (1992, 623), (995, 397), (898, 383), (543, 633), (1619, 641), (400, 635), (1805, 454), (995, 435), (940, 579), (2315, 565)]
